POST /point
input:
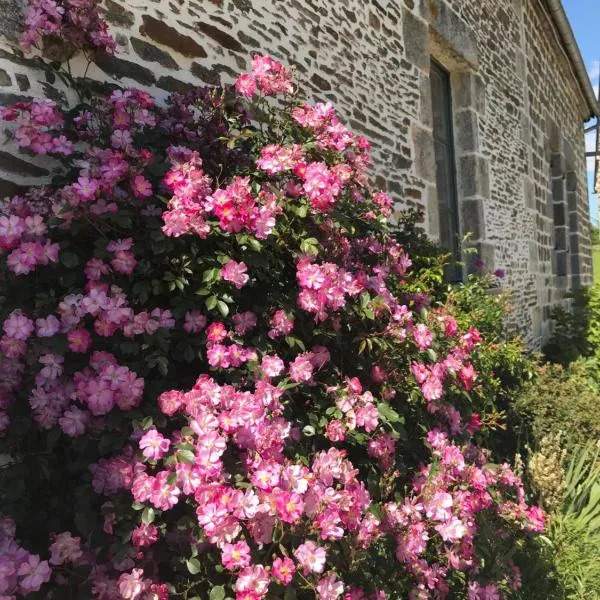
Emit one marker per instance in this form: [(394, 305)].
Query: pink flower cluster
[(221, 419), (39, 123), (76, 23), (95, 391), (23, 234), (268, 75), (21, 573), (236, 273), (330, 133), (357, 409), (324, 287), (443, 510), (133, 586), (280, 324), (455, 365), (276, 159), (193, 203), (235, 454)]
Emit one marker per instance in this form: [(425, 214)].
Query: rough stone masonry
[(518, 108)]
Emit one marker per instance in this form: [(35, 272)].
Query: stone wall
[(518, 108)]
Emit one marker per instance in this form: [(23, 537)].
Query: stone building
[(475, 108)]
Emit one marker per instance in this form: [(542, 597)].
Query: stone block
[(456, 34), (468, 91), (5, 79), (416, 39), (473, 176), (117, 15), (536, 321), (561, 266), (573, 222), (534, 258), (528, 193), (554, 136), (171, 84), (558, 211), (478, 102), (433, 214), (557, 165), (11, 23), (526, 129), (168, 36), (424, 153), (574, 243), (425, 106), (118, 69), (560, 238), (151, 53), (18, 166), (462, 88), (10, 188), (472, 218), (220, 36), (571, 181), (466, 131), (484, 257), (558, 190), (22, 82)]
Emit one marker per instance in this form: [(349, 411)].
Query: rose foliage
[(214, 380)]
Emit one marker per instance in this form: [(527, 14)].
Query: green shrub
[(575, 530), (560, 399), (569, 339)]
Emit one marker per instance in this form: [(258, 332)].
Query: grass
[(596, 262)]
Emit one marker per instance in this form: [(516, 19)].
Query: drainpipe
[(564, 27)]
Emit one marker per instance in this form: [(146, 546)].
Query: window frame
[(446, 140)]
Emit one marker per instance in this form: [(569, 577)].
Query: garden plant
[(222, 376)]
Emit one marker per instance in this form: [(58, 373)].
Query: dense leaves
[(222, 374)]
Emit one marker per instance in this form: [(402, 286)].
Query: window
[(441, 100), (560, 230)]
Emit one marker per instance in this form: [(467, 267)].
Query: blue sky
[(585, 20)]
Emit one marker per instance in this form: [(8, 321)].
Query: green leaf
[(365, 298), (186, 456), (69, 259), (431, 353), (308, 431), (211, 302), (388, 414), (211, 275), (254, 244), (290, 593), (148, 515), (223, 308), (301, 211), (193, 566), (185, 446), (309, 246), (146, 423), (217, 593)]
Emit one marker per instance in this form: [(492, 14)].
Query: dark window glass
[(441, 100)]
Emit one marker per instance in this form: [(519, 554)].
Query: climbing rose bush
[(214, 380)]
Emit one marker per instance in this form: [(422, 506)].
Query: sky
[(584, 16)]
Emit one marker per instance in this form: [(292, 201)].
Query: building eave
[(597, 164), (561, 21)]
